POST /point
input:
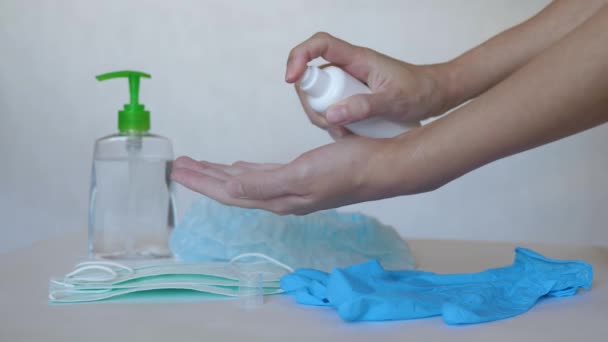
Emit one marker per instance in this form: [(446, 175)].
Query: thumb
[(354, 108), (258, 185)]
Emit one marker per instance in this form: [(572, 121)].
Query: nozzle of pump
[(133, 117)]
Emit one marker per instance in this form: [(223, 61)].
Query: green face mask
[(101, 280)]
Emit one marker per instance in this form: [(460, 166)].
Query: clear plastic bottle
[(324, 87), (131, 207)]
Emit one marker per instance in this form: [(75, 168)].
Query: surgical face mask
[(99, 280), (210, 231)]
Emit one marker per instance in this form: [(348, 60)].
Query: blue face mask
[(210, 231)]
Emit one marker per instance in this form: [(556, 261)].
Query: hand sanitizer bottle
[(324, 87), (131, 205)]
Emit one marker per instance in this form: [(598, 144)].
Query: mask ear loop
[(53, 294), (106, 263), (105, 266), (62, 283), (263, 256), (74, 275)]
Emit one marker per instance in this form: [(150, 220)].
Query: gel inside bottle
[(324, 87), (131, 206)]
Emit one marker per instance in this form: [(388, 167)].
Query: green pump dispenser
[(131, 199), (133, 117)]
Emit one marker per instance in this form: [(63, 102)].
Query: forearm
[(560, 92), (481, 68)]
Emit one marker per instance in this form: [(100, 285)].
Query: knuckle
[(366, 108), (360, 106), (321, 35), (362, 53)]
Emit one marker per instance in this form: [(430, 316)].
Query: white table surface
[(25, 314)]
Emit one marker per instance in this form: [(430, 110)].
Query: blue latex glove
[(367, 292)]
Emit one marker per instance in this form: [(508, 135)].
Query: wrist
[(400, 167), (448, 86), (378, 179)]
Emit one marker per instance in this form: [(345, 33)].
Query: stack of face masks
[(100, 280)]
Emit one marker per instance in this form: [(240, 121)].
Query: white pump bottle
[(324, 87)]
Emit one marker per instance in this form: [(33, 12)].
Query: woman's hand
[(400, 91), (531, 107), (354, 169)]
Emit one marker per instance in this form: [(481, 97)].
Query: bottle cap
[(314, 82), (133, 117)]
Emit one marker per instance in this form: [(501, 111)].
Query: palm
[(329, 176)]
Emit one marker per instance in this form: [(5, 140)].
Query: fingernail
[(287, 69), (337, 115), (288, 76), (235, 189)]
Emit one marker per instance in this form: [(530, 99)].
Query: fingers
[(267, 186), (202, 183), (242, 180), (206, 168), (336, 51), (218, 190), (257, 166), (189, 163), (221, 171), (260, 185), (338, 132), (319, 120), (323, 45), (355, 108)]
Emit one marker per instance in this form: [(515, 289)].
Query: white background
[(218, 92)]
